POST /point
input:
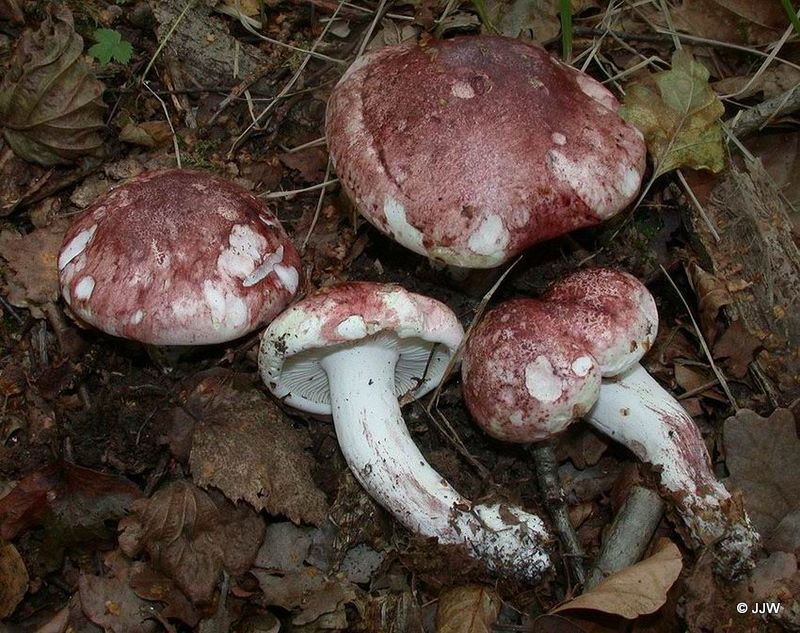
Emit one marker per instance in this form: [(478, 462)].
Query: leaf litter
[(211, 548)]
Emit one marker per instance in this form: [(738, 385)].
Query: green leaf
[(110, 45), (678, 113)]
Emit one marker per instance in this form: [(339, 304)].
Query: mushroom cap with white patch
[(524, 379), (425, 332), (531, 366), (178, 257), (609, 312), (469, 150)]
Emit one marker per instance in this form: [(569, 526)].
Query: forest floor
[(134, 498)]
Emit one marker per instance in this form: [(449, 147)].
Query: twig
[(318, 209), (163, 43), (629, 534), (544, 457), (146, 84), (272, 195), (755, 118), (688, 190)]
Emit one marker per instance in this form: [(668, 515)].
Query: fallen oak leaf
[(467, 609), (244, 445), (191, 536), (636, 590), (678, 113), (763, 458), (68, 496), (13, 579), (31, 280), (739, 347)]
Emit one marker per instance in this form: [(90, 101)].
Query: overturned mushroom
[(532, 366), (350, 351), (177, 257), (469, 150)]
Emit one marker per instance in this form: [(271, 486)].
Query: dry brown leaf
[(712, 295), (148, 584), (634, 591), (244, 445), (33, 280), (763, 457), (109, 602), (146, 134), (736, 21), (192, 536), (739, 346), (13, 579), (467, 609), (249, 8), (50, 102)]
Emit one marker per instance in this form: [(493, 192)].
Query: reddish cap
[(524, 378), (425, 332), (178, 257), (531, 366), (471, 149), (608, 312)]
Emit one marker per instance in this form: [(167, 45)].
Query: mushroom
[(177, 257), (471, 149), (351, 351), (532, 366)]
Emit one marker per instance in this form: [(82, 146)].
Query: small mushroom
[(177, 257), (351, 351), (471, 149), (532, 366)]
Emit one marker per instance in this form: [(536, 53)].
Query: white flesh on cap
[(386, 461), (639, 413)]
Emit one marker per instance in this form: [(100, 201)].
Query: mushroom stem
[(639, 413), (383, 457)]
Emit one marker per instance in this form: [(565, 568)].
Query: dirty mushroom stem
[(643, 416), (384, 458)]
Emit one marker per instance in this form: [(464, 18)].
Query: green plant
[(110, 45), (566, 29)]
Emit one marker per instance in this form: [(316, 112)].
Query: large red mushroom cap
[(471, 149), (178, 257)]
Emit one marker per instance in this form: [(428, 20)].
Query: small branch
[(629, 535), (752, 120), (555, 500)]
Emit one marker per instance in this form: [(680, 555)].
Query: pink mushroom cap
[(532, 366), (178, 257), (427, 331), (471, 149)]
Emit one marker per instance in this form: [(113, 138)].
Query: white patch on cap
[(352, 328), (75, 246), (462, 90), (289, 277), (227, 310), (596, 91), (490, 237), (559, 138), (402, 231), (84, 288), (582, 365), (631, 180), (541, 380), (591, 181), (265, 268), (245, 251), (137, 317)]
